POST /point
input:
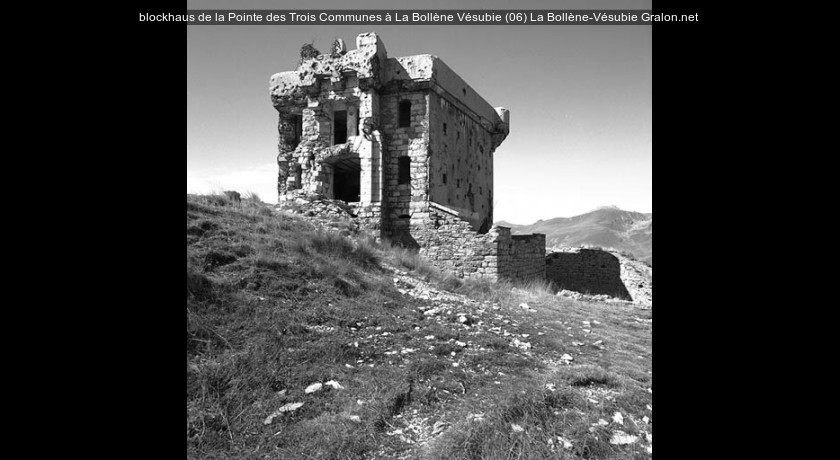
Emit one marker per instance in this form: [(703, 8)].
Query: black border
[(146, 231)]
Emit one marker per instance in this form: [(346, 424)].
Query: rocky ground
[(524, 334), (307, 344), (638, 279)]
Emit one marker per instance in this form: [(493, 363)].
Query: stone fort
[(408, 145)]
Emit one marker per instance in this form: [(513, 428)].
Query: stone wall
[(588, 271), (307, 100), (403, 203), (525, 258), (450, 243), (460, 161), (307, 164), (369, 216)]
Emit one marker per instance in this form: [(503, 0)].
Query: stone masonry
[(588, 271), (408, 145)]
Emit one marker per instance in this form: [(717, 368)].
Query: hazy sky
[(579, 97)]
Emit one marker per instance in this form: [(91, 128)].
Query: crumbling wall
[(305, 163), (588, 271), (310, 96), (449, 243), (525, 258)]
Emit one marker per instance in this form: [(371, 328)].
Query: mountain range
[(608, 227)]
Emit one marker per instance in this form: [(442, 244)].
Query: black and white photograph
[(419, 241)]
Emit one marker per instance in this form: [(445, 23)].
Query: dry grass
[(274, 304)]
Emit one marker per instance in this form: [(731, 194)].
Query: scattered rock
[(565, 442), (313, 388), (291, 407), (620, 437), (521, 345), (516, 428), (335, 385), (618, 418)]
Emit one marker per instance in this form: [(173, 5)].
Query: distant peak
[(599, 208)]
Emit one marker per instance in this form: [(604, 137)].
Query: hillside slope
[(306, 339), (608, 227)]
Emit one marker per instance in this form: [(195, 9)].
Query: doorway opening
[(347, 175)]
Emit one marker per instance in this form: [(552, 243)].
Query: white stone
[(290, 407), (313, 388), (566, 443), (335, 385), (620, 437)]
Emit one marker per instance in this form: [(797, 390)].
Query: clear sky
[(579, 97)]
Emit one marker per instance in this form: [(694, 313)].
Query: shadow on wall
[(401, 235), (586, 271)]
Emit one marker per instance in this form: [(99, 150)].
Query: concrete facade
[(409, 146)]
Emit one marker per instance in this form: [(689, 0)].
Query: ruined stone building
[(409, 145)]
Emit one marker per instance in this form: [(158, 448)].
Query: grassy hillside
[(308, 340), (627, 231)]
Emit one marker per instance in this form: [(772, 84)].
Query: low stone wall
[(588, 271), (525, 258), (451, 244)]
